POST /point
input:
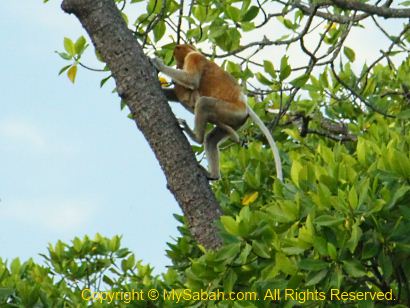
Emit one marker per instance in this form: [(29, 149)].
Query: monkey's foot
[(212, 178), (207, 174), (243, 143)]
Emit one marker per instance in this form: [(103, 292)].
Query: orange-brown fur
[(215, 82), (214, 97)]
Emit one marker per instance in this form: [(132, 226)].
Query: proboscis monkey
[(215, 97)]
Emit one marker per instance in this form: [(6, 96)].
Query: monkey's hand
[(243, 142), (158, 63), (185, 127)]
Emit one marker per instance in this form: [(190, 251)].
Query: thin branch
[(356, 94), (384, 55), (267, 42), (155, 20), (181, 14), (342, 138), (89, 68), (295, 90)]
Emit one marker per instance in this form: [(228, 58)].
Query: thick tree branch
[(382, 11), (328, 16), (138, 85)]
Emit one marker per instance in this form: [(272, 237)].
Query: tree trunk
[(138, 85)]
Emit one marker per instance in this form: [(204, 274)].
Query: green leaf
[(404, 115), (354, 269), (64, 69), (386, 265), (64, 55), (159, 31), (369, 250), (104, 80), (262, 79), (233, 13), (125, 17), (128, 264), (15, 266), (123, 104), (77, 244), (154, 6), (354, 238), (69, 46), (285, 68), (397, 195), (228, 252), (288, 23), (300, 81), (200, 13), (229, 281), (317, 278), (114, 243), (269, 68), (294, 133), (230, 225), (361, 150), (331, 249), (108, 280), (80, 45), (399, 162), (295, 172), (251, 13), (285, 264), (260, 249), (328, 220), (313, 265), (353, 199), (247, 26), (349, 53)]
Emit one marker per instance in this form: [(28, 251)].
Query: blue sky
[(71, 163)]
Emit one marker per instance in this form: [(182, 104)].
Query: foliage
[(71, 272), (341, 218)]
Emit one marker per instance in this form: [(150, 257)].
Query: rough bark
[(138, 85)]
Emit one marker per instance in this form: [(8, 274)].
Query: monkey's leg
[(212, 151), (218, 112), (230, 131)]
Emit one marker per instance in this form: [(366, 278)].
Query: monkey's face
[(180, 52)]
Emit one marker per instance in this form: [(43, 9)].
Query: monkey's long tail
[(268, 135)]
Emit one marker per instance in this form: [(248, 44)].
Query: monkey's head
[(180, 52)]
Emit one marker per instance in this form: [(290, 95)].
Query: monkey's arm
[(190, 81)]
